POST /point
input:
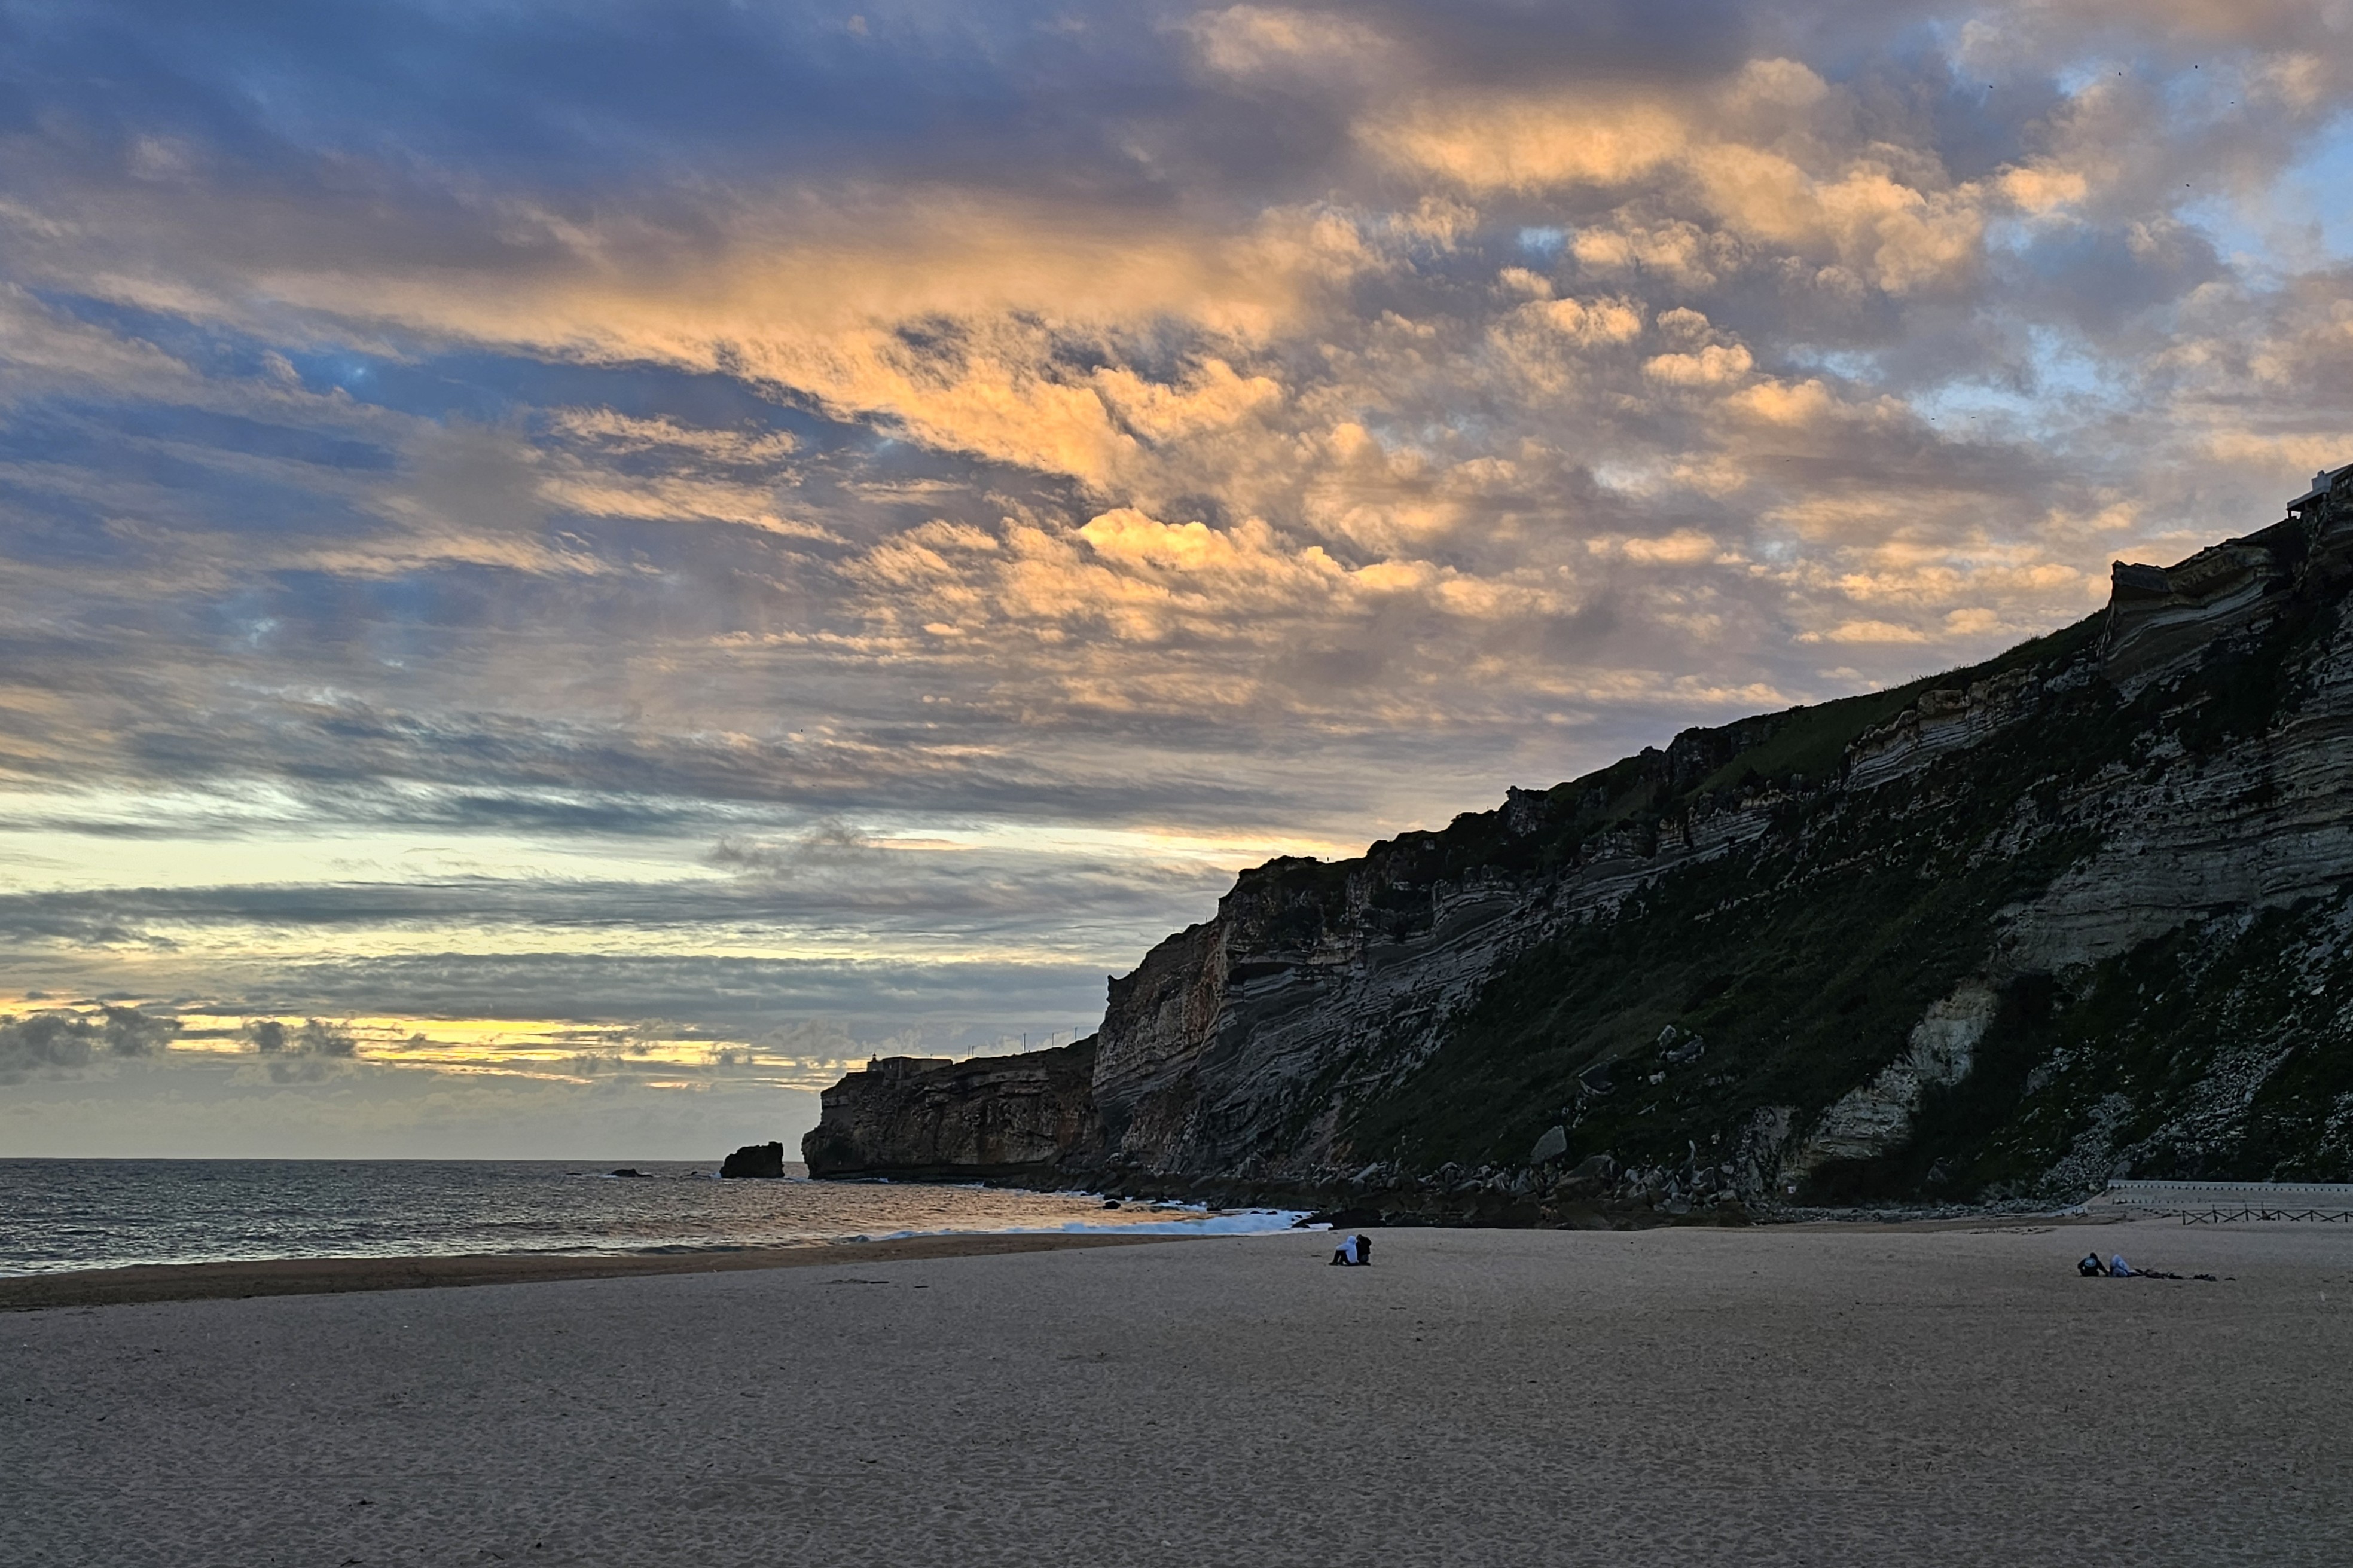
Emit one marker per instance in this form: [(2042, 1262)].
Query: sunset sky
[(624, 558)]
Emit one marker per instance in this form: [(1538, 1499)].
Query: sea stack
[(755, 1160)]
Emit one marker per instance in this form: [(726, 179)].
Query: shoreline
[(146, 1282), (134, 1283)]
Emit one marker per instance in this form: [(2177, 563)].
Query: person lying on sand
[(2116, 1267)]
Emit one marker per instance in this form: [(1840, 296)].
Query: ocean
[(59, 1215)]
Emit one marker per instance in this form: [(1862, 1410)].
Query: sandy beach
[(1682, 1396), (336, 1276)]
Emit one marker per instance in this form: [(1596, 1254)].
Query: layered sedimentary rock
[(995, 1118), (2078, 909)]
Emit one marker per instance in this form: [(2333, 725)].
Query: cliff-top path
[(1674, 1396)]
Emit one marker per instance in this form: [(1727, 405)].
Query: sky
[(569, 573)]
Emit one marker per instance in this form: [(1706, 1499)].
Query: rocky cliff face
[(992, 1118), (2007, 931)]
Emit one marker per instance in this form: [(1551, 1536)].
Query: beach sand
[(332, 1276), (1829, 1396)]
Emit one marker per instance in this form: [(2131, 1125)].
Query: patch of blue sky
[(209, 349), (2314, 189), (338, 604), (2301, 220), (87, 457), (695, 399), (2066, 384), (479, 386), (1544, 241), (44, 524), (612, 90), (234, 434), (2074, 78), (1978, 410), (2011, 236), (1858, 365), (2246, 238)]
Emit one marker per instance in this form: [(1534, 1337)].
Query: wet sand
[(1677, 1396), (334, 1276)]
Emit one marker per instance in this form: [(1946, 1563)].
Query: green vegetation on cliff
[(1801, 963)]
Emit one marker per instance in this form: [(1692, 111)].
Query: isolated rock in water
[(755, 1160)]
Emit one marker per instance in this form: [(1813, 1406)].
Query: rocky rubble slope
[(2000, 934)]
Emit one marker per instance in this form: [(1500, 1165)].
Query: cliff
[(2078, 910), (991, 1118)]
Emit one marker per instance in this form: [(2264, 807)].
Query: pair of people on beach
[(1353, 1253), (2116, 1267)]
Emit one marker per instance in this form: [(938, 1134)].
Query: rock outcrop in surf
[(757, 1160)]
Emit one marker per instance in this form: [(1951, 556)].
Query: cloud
[(1530, 145), (1715, 365), (61, 1042), (312, 1037), (40, 350), (1292, 46), (46, 1043), (734, 521), (1864, 632)]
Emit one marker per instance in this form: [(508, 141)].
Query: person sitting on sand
[(2090, 1266), (1353, 1253), (1341, 1254)]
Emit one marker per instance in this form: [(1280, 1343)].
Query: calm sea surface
[(94, 1214)]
